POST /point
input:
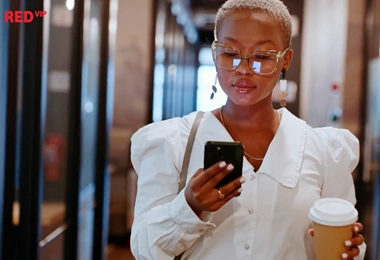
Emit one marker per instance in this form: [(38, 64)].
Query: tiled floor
[(119, 253)]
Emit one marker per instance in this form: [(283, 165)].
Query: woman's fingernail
[(240, 190), (222, 164), (348, 243), (356, 229), (230, 167), (243, 179), (344, 255)]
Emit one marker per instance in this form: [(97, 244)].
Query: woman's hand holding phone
[(201, 194)]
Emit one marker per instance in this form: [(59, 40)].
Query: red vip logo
[(22, 16)]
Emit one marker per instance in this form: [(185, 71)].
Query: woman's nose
[(244, 68)]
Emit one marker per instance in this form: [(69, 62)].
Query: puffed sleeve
[(164, 224), (341, 156)]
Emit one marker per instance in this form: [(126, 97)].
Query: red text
[(22, 16)]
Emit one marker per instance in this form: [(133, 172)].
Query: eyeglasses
[(261, 62)]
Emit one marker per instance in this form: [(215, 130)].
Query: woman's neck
[(258, 116)]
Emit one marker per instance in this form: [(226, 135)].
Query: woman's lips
[(243, 86)]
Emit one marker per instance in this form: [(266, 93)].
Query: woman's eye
[(262, 56), (231, 54)]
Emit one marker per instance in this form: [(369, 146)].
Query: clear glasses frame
[(279, 55)]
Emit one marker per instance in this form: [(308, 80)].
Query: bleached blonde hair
[(274, 8)]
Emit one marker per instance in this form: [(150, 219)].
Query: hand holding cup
[(335, 230)]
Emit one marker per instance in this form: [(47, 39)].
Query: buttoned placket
[(251, 189)]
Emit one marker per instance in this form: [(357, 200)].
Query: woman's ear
[(288, 59)]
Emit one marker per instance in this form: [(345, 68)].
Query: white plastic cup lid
[(333, 212)]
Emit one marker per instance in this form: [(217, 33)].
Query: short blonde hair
[(274, 8)]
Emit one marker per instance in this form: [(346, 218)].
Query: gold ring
[(221, 195)]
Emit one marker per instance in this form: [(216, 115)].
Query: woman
[(287, 166)]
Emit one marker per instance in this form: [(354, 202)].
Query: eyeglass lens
[(261, 62)]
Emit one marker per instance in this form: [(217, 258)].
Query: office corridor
[(78, 83)]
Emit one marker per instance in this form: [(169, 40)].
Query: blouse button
[(252, 176), (250, 211), (246, 247)]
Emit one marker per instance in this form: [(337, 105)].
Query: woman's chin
[(243, 100), (249, 99)]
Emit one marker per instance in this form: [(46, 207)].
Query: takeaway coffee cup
[(332, 221)]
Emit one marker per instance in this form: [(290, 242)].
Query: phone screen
[(230, 152)]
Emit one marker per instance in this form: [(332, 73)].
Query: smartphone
[(230, 152)]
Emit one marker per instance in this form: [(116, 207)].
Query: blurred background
[(78, 82)]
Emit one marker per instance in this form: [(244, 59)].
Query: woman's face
[(250, 34)]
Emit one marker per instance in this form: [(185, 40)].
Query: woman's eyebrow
[(230, 39), (265, 42), (258, 43)]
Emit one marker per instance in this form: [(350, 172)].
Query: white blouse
[(268, 221)]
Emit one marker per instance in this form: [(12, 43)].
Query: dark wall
[(369, 193), (373, 29), (57, 114), (3, 107), (57, 110)]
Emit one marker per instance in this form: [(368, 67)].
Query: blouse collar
[(283, 159)]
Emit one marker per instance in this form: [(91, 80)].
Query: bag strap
[(189, 147), (186, 158)]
